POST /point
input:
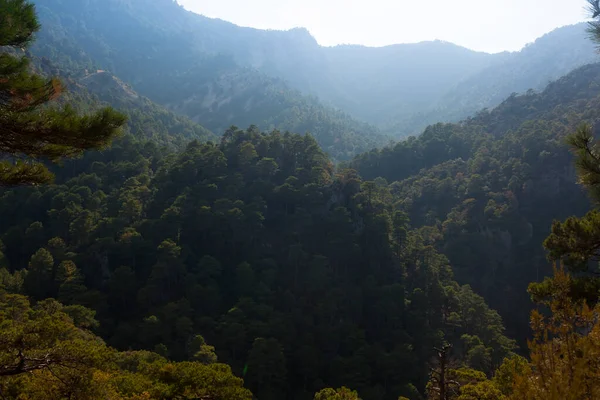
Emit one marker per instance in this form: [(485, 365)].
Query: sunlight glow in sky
[(484, 25)]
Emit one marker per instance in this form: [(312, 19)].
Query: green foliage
[(485, 390), (40, 338), (47, 353), (266, 370), (488, 189), (299, 276), (18, 22), (202, 352), (588, 159), (25, 133), (505, 375), (339, 394), (465, 384), (39, 275), (564, 350), (594, 24), (575, 241)]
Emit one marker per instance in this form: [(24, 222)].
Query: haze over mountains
[(219, 74)]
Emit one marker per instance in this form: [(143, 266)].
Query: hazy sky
[(484, 25)]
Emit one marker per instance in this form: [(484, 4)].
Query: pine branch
[(18, 23)]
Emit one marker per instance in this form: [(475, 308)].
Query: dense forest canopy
[(286, 267), (490, 187), (247, 263)]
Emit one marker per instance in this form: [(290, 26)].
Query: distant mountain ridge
[(404, 87), (182, 69), (220, 74), (547, 59)]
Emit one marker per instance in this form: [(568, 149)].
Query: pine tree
[(565, 349), (594, 25), (577, 240), (339, 394), (30, 131)]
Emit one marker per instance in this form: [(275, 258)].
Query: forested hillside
[(547, 59), (298, 275), (219, 74), (170, 64), (90, 89), (371, 84), (490, 187), (145, 118), (238, 264)]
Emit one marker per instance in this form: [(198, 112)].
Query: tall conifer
[(31, 132)]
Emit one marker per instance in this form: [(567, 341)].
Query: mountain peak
[(300, 31), (301, 36)]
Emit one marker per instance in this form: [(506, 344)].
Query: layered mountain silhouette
[(351, 98)]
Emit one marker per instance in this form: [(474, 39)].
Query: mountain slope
[(220, 74), (547, 59), (356, 78), (257, 245), (378, 83), (487, 189), (176, 64), (91, 90)]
